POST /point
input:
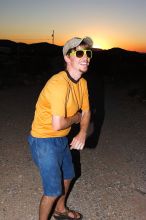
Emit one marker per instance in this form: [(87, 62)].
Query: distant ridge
[(41, 48), (9, 43), (25, 64), (120, 50), (46, 45)]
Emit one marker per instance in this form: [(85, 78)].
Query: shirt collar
[(69, 76)]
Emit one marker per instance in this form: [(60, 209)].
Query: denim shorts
[(53, 158)]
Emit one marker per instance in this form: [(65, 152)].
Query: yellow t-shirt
[(62, 97)]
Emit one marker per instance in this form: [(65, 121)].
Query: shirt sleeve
[(58, 95)]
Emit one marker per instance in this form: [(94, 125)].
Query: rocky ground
[(113, 181)]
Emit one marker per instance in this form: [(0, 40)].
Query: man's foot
[(67, 215)]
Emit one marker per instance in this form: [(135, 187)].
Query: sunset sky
[(110, 23)]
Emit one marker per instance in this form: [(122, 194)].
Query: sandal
[(65, 215)]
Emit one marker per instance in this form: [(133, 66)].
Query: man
[(62, 103)]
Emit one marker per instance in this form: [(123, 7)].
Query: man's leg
[(60, 205), (48, 201), (45, 208)]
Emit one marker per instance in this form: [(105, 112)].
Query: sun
[(100, 43), (97, 46)]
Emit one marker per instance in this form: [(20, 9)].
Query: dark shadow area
[(33, 64), (30, 64), (95, 80)]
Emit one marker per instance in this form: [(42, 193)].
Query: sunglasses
[(81, 53)]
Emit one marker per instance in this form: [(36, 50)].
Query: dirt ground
[(113, 181)]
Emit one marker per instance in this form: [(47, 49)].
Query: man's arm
[(60, 123), (78, 141)]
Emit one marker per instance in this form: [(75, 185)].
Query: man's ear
[(67, 59)]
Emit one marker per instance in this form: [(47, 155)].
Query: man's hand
[(78, 141)]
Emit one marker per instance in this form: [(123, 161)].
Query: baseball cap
[(76, 41)]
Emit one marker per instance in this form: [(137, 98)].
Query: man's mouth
[(84, 64)]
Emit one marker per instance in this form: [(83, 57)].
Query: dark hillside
[(22, 64)]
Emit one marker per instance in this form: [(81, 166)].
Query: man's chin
[(84, 70)]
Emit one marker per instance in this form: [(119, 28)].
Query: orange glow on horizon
[(98, 43)]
